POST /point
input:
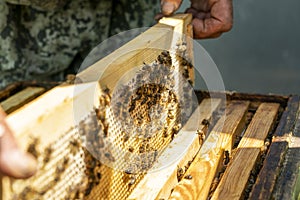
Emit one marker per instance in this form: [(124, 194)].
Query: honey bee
[(160, 59), (184, 62), (32, 147), (100, 143), (146, 67), (88, 159), (101, 115), (139, 91), (74, 146), (165, 53), (149, 104), (264, 148), (205, 122), (165, 132), (188, 165), (168, 61), (102, 100), (201, 135), (142, 149), (26, 193), (128, 171), (171, 116), (47, 154), (139, 119), (156, 98), (226, 158), (214, 184), (139, 77), (132, 180), (132, 107), (44, 190), (125, 137), (178, 43), (165, 58), (138, 96), (65, 161), (145, 165), (186, 74), (177, 127), (180, 173), (189, 177), (97, 175), (62, 167), (105, 128), (130, 149), (155, 154), (109, 156), (88, 190), (73, 192), (107, 91)]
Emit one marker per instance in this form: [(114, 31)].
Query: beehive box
[(240, 146), (249, 152), (253, 156)]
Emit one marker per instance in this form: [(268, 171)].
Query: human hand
[(211, 18), (13, 162)]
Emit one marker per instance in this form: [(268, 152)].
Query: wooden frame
[(52, 114)]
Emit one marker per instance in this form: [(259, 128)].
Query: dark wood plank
[(272, 98), (18, 86), (288, 181), (268, 175), (21, 98), (9, 90)]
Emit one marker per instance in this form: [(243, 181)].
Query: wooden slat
[(144, 48), (54, 107), (287, 186), (237, 173), (204, 167), (21, 98), (9, 90), (282, 100), (158, 184), (268, 175)]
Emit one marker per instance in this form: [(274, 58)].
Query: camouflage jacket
[(40, 40)]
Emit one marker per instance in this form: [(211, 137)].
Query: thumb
[(168, 7), (13, 161)]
